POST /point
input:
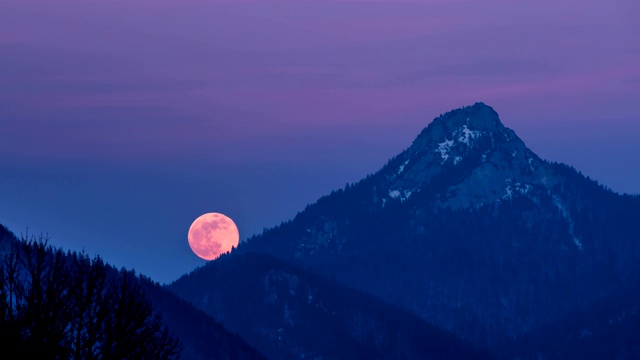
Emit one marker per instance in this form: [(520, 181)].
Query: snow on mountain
[(488, 154)]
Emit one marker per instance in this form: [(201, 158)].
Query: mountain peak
[(466, 121), (479, 116), (482, 160)]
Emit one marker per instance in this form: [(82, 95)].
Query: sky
[(122, 121)]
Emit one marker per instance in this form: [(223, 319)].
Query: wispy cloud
[(204, 71)]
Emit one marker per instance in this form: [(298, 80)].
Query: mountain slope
[(608, 330), (201, 336), (290, 313), (471, 231)]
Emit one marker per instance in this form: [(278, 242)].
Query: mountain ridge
[(498, 179), (471, 231)]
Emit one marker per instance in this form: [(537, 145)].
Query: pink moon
[(213, 234)]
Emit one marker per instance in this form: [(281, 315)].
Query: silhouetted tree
[(67, 306), (132, 330), (10, 288), (44, 307), (88, 292)]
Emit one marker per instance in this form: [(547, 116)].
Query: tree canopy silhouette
[(67, 306)]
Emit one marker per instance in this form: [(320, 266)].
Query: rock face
[(470, 230), (472, 140)]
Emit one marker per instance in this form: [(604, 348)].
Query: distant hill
[(290, 313), (200, 337), (467, 228)]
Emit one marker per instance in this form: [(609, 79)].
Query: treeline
[(56, 305)]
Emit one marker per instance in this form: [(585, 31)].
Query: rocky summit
[(492, 161)]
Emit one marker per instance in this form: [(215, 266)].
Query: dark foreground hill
[(56, 305), (291, 313), (468, 229), (201, 336)]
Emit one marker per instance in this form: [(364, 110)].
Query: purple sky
[(122, 121)]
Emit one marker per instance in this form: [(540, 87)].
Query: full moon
[(213, 234)]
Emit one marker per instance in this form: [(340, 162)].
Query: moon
[(213, 234)]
